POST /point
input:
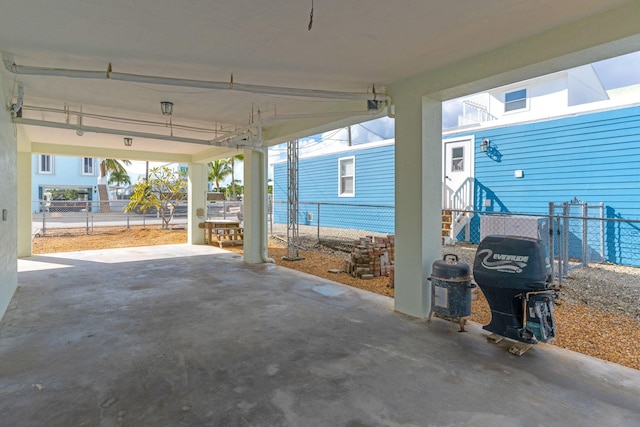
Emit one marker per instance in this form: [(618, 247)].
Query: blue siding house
[(51, 173), (592, 158), (361, 175), (516, 149)]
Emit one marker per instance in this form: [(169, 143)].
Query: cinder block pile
[(371, 257)]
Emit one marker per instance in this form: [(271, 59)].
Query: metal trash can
[(451, 289)]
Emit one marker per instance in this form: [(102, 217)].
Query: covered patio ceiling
[(229, 64)]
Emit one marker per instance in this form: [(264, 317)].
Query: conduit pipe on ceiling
[(68, 112), (263, 120), (241, 137), (237, 133), (94, 129), (200, 84), (317, 115), (15, 107)]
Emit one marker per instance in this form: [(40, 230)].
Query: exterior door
[(457, 182)]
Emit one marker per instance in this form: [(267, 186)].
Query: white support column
[(255, 210), (8, 209), (418, 154), (24, 204), (198, 177)]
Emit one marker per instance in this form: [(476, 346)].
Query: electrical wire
[(371, 131)]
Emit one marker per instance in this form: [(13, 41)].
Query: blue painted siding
[(592, 157), (67, 172), (318, 182)]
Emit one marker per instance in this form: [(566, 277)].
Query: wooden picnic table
[(224, 232)]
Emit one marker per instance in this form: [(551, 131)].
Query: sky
[(619, 71), (615, 72)]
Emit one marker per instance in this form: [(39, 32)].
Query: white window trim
[(51, 165), (519, 110), (340, 192), (93, 167)]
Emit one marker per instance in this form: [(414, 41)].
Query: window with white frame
[(516, 100), (457, 159), (45, 164), (347, 177), (88, 166)]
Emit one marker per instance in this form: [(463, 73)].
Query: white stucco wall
[(8, 201)]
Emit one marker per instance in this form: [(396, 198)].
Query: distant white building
[(574, 91)]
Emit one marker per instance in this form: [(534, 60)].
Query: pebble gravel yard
[(598, 313)]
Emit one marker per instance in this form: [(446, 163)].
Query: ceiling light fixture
[(166, 107), (128, 141)]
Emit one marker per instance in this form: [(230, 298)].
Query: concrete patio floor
[(185, 335)]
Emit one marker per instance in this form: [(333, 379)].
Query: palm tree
[(118, 178), (218, 171), (239, 157), (113, 165), (108, 166)]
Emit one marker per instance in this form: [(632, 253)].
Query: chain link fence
[(334, 224), (56, 217), (576, 234), (225, 209)]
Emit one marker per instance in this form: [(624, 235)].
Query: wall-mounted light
[(484, 146), (166, 107), (128, 142)]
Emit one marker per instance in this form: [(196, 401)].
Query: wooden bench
[(223, 232)]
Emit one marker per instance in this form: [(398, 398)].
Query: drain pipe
[(264, 239), (264, 248)]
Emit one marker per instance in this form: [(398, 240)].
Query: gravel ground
[(612, 288)]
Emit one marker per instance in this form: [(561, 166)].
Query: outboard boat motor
[(514, 274)]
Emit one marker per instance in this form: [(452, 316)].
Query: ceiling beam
[(107, 153), (214, 153), (109, 131)]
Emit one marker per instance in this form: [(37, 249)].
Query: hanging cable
[(311, 17)]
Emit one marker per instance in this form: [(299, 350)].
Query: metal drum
[(451, 289)]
